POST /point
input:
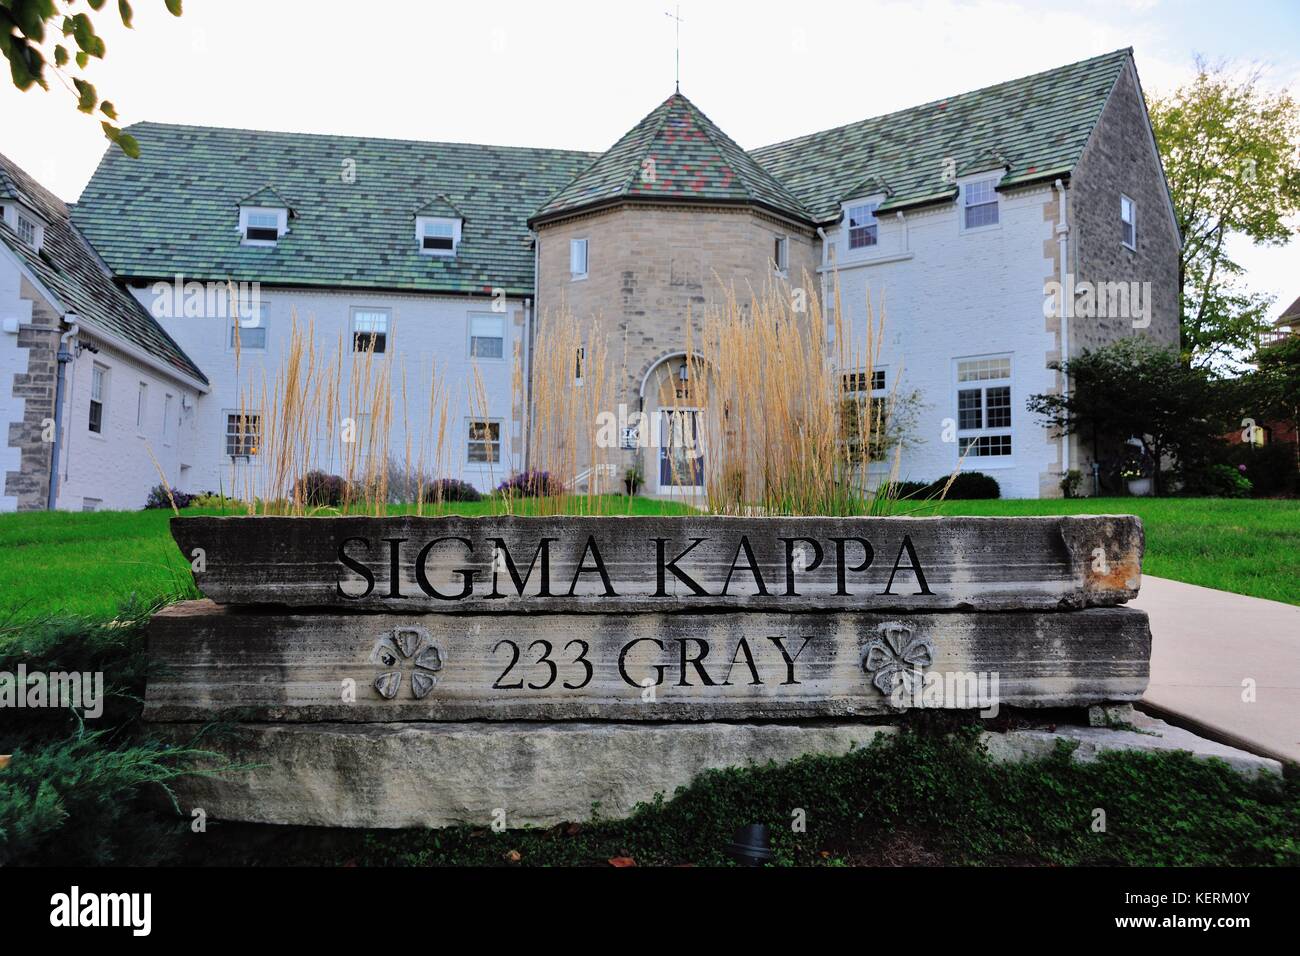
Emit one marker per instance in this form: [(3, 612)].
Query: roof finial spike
[(677, 18)]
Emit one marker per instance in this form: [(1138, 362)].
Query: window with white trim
[(98, 394), (262, 225), (484, 442), (437, 235), (487, 336), (979, 201), (250, 329), (864, 410), (781, 254), (984, 407), (1128, 222), (243, 434), (578, 258), (370, 330), (27, 230), (861, 222), (141, 407)]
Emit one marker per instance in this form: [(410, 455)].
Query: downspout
[(826, 258), (63, 358), (1067, 306)]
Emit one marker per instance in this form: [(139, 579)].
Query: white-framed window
[(577, 258), (437, 235), (781, 254), (370, 330), (984, 407), (483, 444), (1128, 222), (168, 424), (262, 225), (860, 221), (27, 231), (243, 434), (250, 329), (487, 335), (91, 504), (979, 201), (98, 398), (864, 409), (141, 407)]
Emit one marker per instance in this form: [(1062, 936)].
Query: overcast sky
[(579, 74)]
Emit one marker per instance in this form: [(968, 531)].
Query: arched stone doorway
[(674, 406)]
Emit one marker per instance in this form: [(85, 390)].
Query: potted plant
[(632, 479), (1136, 470)]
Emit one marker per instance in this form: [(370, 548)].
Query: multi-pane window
[(261, 226), (251, 330), (781, 254), (980, 202), (864, 411), (369, 330), (862, 225), (484, 442), (487, 336), (1128, 221), (438, 236), (578, 258), (984, 407), (98, 389), (243, 434), (27, 230)]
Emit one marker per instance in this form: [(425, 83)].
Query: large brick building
[(968, 215)]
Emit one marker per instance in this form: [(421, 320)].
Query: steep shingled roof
[(674, 153), (175, 208), (68, 267), (1036, 125)]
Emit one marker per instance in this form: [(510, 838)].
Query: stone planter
[(1139, 487)]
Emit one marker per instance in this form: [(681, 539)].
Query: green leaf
[(86, 95), (60, 55), (96, 4), (124, 9), (108, 109), (174, 7), (125, 141), (82, 59)]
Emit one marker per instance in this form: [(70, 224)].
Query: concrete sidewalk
[(1205, 644)]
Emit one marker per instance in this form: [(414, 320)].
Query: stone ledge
[(434, 775)]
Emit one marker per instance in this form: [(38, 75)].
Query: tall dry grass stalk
[(787, 429), (573, 383)]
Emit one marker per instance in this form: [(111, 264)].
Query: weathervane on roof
[(677, 18)]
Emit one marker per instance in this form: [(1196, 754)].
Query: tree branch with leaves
[(36, 37), (1231, 152)]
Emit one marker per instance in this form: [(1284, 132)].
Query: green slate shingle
[(1037, 125), (674, 153), (175, 209), (69, 269)]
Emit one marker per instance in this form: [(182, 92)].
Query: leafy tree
[(24, 28), (1135, 388), (1229, 149)]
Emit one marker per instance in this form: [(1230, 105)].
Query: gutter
[(64, 358)]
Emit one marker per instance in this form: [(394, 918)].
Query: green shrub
[(1271, 468), (1217, 481)]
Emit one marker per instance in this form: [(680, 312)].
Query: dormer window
[(437, 235), (863, 228), (29, 226), (262, 225), (979, 200)]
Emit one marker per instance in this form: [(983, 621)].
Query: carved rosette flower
[(895, 657), (403, 646)]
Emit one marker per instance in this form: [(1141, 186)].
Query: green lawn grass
[(92, 564), (1242, 545)]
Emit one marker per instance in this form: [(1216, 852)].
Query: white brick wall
[(962, 294), (427, 334)]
